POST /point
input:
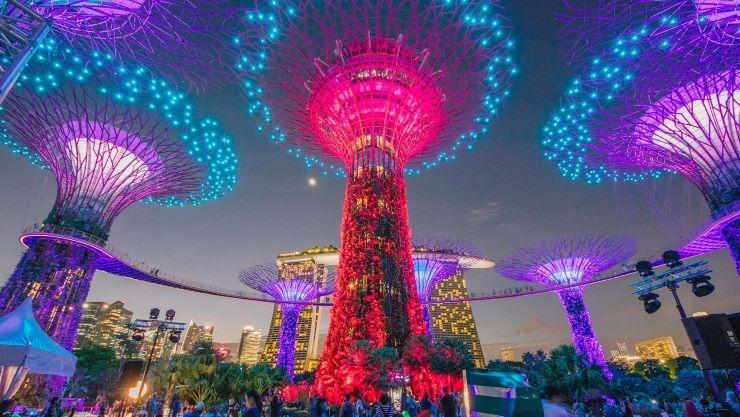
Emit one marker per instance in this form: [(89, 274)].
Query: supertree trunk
[(288, 331), (427, 319), (57, 277), (376, 297), (584, 338)]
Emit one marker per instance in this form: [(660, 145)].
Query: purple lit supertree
[(374, 91), (110, 139), (567, 262), (437, 258), (183, 39), (660, 94), (292, 294)]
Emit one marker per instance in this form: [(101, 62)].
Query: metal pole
[(708, 375), (148, 362)]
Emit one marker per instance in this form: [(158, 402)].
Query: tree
[(676, 365), (501, 366), (630, 387), (451, 356), (650, 369), (690, 383), (383, 368), (534, 367), (661, 389), (97, 371), (572, 372)]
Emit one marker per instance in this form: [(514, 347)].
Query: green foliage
[(690, 383), (97, 371), (676, 365), (651, 369), (570, 371), (451, 356), (534, 367), (497, 365), (631, 387), (383, 364)]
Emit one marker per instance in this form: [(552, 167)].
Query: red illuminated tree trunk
[(376, 298)]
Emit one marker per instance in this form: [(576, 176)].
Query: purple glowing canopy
[(292, 294), (183, 39), (566, 261)]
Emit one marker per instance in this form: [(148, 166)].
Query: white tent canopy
[(26, 348)]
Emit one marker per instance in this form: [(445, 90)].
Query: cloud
[(480, 215)]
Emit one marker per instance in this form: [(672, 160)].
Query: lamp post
[(174, 328), (694, 273)]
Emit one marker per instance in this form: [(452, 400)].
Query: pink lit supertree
[(111, 136), (183, 39), (659, 93), (379, 88), (565, 263), (293, 294), (437, 258)]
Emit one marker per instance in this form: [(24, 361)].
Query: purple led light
[(567, 261), (292, 293), (437, 258), (104, 158)]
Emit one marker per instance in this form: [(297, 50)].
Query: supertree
[(660, 94), (563, 264), (376, 87), (111, 135), (292, 294), (181, 39), (437, 258)]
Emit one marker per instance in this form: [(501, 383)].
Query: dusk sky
[(501, 196)]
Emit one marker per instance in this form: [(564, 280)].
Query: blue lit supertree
[(112, 135), (659, 93), (437, 258), (293, 294), (374, 91), (564, 264), (183, 40)]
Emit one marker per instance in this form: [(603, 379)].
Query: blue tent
[(26, 348)]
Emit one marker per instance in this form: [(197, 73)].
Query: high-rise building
[(103, 324), (194, 334), (622, 355), (660, 348), (507, 354), (312, 261), (249, 346), (456, 320)]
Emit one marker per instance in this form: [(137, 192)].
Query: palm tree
[(571, 371)]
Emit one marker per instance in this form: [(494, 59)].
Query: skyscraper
[(507, 354), (103, 324), (249, 345), (194, 334), (456, 320), (659, 348), (310, 261)]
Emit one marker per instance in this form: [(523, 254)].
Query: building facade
[(313, 262), (193, 335), (660, 349), (249, 346), (456, 320), (507, 354), (103, 324)]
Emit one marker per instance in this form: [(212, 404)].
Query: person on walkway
[(426, 407), (233, 408), (554, 403), (253, 404), (411, 406), (447, 406), (360, 408), (346, 409), (384, 408), (275, 404)]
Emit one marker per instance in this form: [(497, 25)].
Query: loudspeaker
[(131, 374), (715, 342)]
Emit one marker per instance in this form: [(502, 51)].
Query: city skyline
[(477, 198)]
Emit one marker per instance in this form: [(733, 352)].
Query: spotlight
[(644, 268), (672, 259), (154, 314), (701, 286), (169, 314), (174, 337), (652, 304), (138, 335)]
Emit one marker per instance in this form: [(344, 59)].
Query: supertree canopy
[(112, 135), (373, 90), (185, 39), (437, 258), (660, 94), (564, 263), (292, 294)]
